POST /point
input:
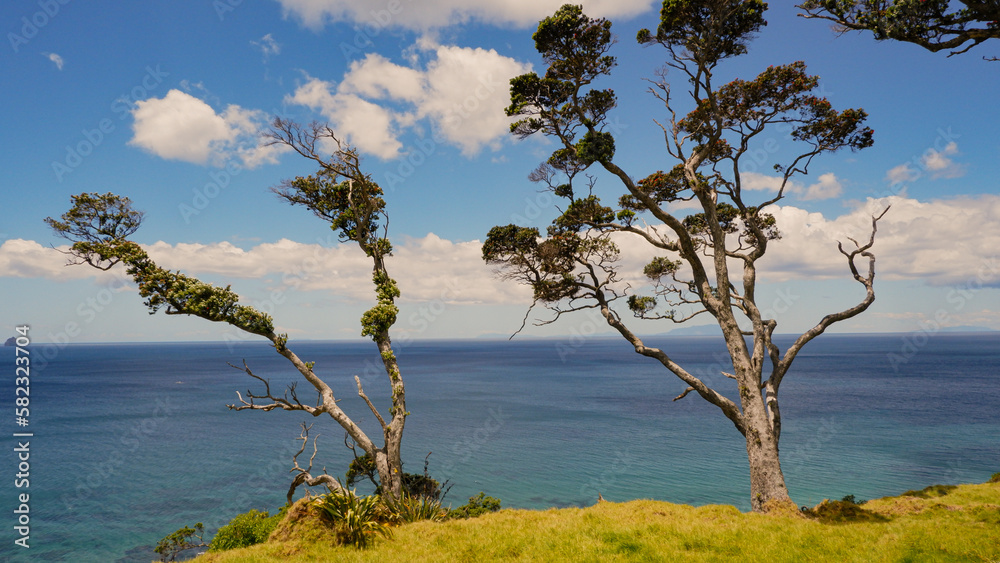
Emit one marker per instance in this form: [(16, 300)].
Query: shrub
[(931, 492), (357, 520), (181, 540), (841, 511), (477, 506), (413, 508), (995, 478), (249, 528)]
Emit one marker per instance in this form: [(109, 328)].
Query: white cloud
[(427, 268), (461, 92), (55, 59), (267, 46), (755, 181), (902, 173), (180, 126), (429, 14), (950, 242), (942, 242), (828, 187), (940, 165)]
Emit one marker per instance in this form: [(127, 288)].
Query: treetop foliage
[(99, 225), (710, 30)]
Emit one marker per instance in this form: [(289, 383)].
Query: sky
[(164, 102)]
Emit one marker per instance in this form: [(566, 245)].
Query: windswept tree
[(935, 25), (99, 226), (702, 264)]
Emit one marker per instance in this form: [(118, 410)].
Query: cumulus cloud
[(461, 92), (949, 242), (902, 173), (939, 163), (942, 242), (430, 14), (427, 268), (182, 127), (827, 187)]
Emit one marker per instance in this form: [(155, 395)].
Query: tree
[(701, 264), (935, 25), (339, 193)]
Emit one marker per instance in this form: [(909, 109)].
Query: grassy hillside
[(941, 523)]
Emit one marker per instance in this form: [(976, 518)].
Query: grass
[(937, 524)]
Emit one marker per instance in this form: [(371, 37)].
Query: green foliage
[(377, 320), (584, 212), (596, 146), (363, 466), (660, 267), (931, 492), (995, 478), (510, 243), (98, 226), (641, 304), (711, 30), (477, 506), (932, 24), (249, 528), (97, 218), (414, 508), (352, 206), (182, 540), (357, 520), (575, 48), (842, 511), (731, 220)]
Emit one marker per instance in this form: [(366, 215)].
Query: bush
[(842, 511), (181, 540), (477, 506), (249, 528), (995, 478), (357, 520), (413, 508)]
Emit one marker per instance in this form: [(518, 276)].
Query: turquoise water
[(134, 441)]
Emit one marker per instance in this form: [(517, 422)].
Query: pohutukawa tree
[(99, 226), (936, 25), (701, 264)]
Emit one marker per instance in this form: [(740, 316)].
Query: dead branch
[(304, 474), (289, 402)]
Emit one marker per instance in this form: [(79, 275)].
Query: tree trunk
[(389, 465), (767, 482)]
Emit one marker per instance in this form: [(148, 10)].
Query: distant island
[(11, 342)]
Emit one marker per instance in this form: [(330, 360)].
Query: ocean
[(133, 441)]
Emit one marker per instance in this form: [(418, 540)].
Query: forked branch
[(304, 476), (289, 402)]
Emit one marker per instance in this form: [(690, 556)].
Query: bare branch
[(289, 402), (304, 476), (361, 393), (684, 394)]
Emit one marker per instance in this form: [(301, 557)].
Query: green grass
[(944, 524)]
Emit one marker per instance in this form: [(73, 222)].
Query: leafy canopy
[(935, 25)]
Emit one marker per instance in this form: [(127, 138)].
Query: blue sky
[(162, 102)]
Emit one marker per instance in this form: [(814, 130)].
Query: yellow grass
[(950, 524)]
